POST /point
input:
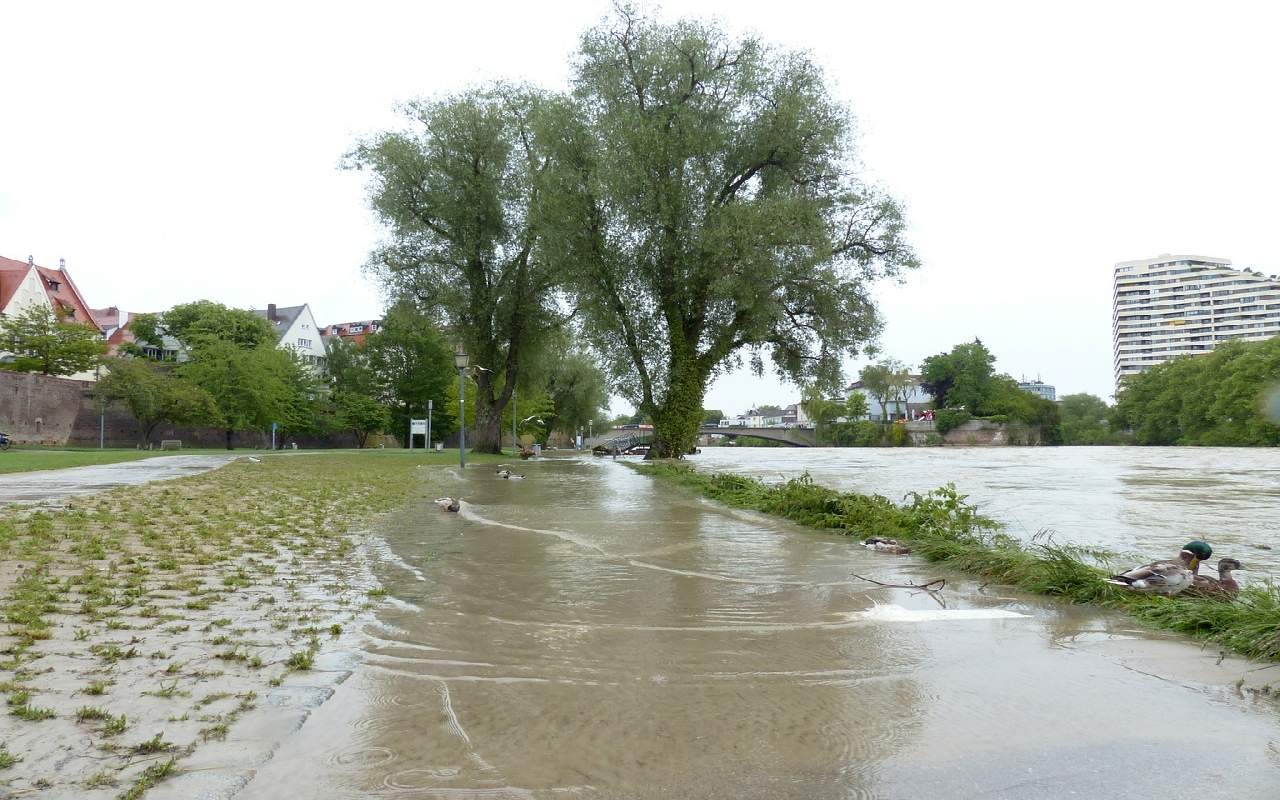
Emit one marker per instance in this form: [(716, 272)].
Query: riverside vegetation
[(144, 623), (941, 527)]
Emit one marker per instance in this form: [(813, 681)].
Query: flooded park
[(592, 632)]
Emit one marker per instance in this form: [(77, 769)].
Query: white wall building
[(297, 329), (917, 402), (1177, 305), (27, 284)]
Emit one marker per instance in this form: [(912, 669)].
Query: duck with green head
[(1166, 577)]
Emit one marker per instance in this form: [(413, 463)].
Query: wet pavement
[(52, 485), (589, 632)]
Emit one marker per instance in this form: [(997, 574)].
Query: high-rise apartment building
[(1177, 305)]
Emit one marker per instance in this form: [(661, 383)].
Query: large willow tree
[(459, 192), (714, 212)]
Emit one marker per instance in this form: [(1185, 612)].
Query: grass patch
[(7, 759), (88, 713), (32, 713), (149, 778), (941, 527)]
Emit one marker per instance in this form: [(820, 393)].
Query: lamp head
[(460, 358)]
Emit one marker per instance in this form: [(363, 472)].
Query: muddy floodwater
[(589, 632), (1149, 500)]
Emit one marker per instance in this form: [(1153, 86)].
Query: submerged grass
[(941, 527)]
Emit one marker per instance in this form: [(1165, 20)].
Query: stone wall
[(38, 409), (976, 433)]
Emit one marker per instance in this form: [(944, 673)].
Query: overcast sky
[(170, 153)]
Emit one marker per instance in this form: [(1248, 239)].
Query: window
[(304, 343)]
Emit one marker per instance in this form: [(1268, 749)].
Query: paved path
[(56, 484)]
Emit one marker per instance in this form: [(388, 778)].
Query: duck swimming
[(448, 503), (1223, 587), (883, 545), (1166, 577)]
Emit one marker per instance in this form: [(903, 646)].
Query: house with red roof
[(24, 283), (354, 332)]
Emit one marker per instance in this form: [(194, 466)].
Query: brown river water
[(588, 632)]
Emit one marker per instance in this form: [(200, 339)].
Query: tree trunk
[(487, 436), (675, 422), (229, 432)]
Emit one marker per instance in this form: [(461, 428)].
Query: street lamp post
[(461, 360), (102, 412)]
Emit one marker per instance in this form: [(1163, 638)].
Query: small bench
[(170, 444)]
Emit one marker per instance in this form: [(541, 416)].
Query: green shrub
[(948, 419)]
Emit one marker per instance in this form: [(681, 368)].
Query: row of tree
[(1230, 396)]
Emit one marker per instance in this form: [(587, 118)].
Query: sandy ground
[(179, 657)]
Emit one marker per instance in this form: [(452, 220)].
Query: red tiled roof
[(66, 296), (11, 275)]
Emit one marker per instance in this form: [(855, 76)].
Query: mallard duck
[(1166, 577), (883, 545), (1224, 586), (502, 468), (448, 503), (513, 476)]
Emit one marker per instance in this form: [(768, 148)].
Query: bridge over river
[(623, 440)]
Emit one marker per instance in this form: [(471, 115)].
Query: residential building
[(354, 332), (297, 331), (1177, 305), (793, 415), (916, 402), (1039, 388), (118, 327), (25, 283)]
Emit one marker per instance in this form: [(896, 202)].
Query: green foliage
[(1214, 399), (402, 366), (360, 414), (856, 407), (253, 387), (942, 527), (154, 395), (890, 383), (965, 378), (859, 433), (822, 412), (711, 416), (461, 193), (1085, 420), (961, 378), (948, 419), (578, 391), (708, 210), (204, 321), (40, 342)]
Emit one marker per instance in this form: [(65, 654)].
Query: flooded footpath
[(589, 632)]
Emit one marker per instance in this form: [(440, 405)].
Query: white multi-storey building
[(1177, 305)]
